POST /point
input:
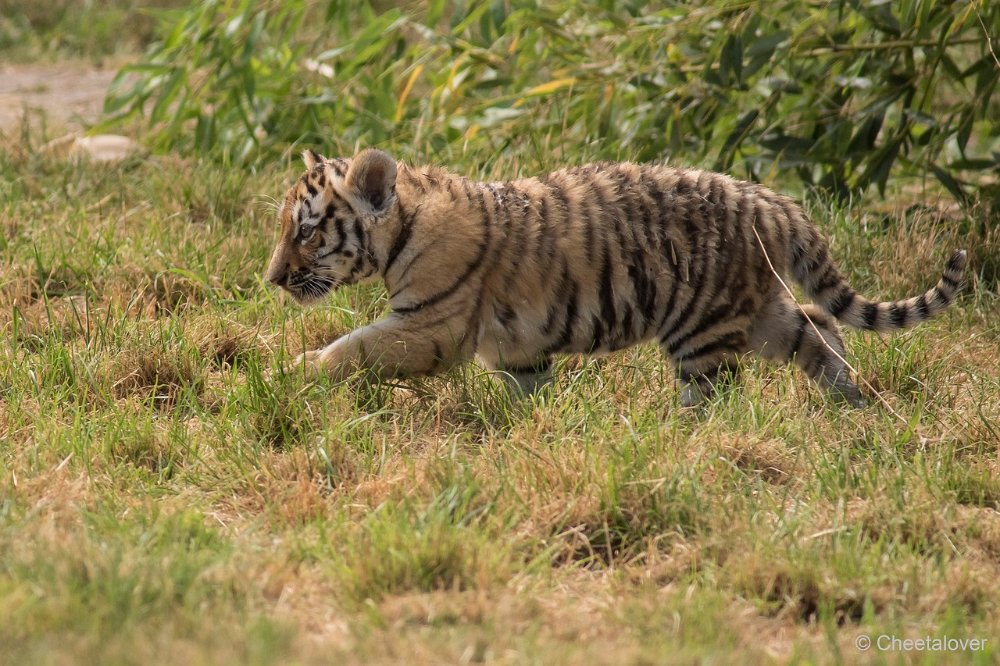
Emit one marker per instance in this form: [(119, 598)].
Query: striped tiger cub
[(583, 260)]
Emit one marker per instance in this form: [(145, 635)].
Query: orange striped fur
[(583, 260)]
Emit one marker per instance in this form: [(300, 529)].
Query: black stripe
[(562, 285), (475, 321), (480, 199), (567, 330), (706, 294), (355, 268), (897, 315), (680, 319), (627, 334), (608, 211), (504, 313), (360, 235), (598, 333), (869, 314), (841, 302), (821, 257), (829, 279), (799, 334), (640, 285), (669, 306), (921, 306), (607, 296), (782, 232), (707, 321), (542, 249), (798, 252), (551, 229), (728, 342), (402, 238), (419, 182), (587, 220), (338, 225), (717, 195), (682, 185), (952, 284), (518, 218), (637, 198), (343, 202), (559, 193), (656, 196), (405, 284), (459, 282), (501, 217), (550, 320)]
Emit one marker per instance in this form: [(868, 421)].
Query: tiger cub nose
[(278, 277)]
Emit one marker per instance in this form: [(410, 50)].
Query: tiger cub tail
[(814, 269)]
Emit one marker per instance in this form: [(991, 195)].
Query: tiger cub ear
[(372, 178), (312, 158)]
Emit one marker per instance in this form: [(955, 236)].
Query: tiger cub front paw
[(308, 362)]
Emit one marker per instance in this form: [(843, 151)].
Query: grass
[(168, 495)]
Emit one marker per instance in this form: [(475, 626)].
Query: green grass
[(91, 29), (170, 495)]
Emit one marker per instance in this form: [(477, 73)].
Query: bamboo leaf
[(549, 87), (949, 183), (401, 103), (167, 94)]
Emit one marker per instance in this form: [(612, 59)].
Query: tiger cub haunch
[(582, 260)]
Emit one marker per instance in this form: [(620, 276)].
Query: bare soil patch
[(69, 94)]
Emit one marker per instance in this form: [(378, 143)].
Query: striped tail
[(827, 287)]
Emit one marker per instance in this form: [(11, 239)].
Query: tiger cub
[(583, 260)]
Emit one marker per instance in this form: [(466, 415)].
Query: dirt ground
[(70, 94)]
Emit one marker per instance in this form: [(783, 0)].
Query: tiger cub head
[(326, 220)]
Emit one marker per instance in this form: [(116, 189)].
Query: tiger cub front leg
[(393, 347)]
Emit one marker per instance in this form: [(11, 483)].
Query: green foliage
[(840, 93)]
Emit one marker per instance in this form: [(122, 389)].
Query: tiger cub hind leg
[(785, 332)]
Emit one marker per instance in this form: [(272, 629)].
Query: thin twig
[(820, 335), (989, 40)]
